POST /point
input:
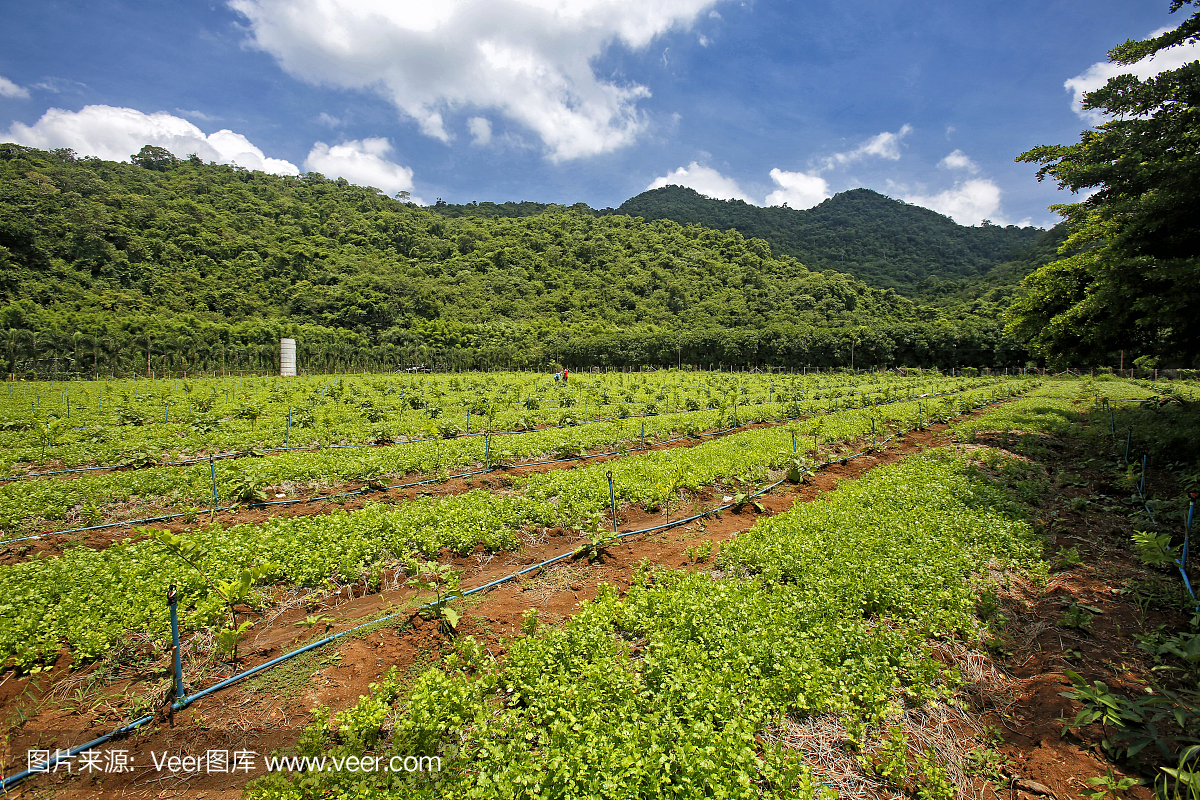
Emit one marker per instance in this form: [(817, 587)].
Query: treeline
[(173, 264), (884, 242), (184, 345)]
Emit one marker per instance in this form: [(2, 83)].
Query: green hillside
[(884, 242), (176, 261)]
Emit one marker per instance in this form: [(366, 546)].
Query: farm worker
[(566, 374), (557, 377)]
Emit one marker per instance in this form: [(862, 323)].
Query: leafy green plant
[(1108, 785), (529, 621), (1076, 616), (1069, 557), (1183, 780), (1154, 549), (934, 783), (230, 592), (798, 469), (1132, 725), (742, 499), (249, 486), (441, 579), (890, 762), (598, 541)]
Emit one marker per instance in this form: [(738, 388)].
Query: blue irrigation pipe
[(1180, 563), (172, 603), (185, 701), (612, 499)]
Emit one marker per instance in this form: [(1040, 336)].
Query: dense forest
[(887, 243), (169, 264)]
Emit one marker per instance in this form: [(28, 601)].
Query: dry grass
[(947, 730)]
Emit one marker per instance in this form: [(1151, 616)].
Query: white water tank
[(287, 357)]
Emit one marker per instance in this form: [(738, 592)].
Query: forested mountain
[(884, 242), (177, 261)]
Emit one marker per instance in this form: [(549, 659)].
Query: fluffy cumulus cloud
[(959, 160), (530, 60), (967, 203), (10, 89), (885, 145), (797, 189), (363, 162), (117, 133), (1095, 76), (705, 180), (481, 130)]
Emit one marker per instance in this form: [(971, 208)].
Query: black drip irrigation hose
[(188, 462), (187, 700), (368, 490)]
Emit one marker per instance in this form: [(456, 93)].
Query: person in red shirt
[(566, 374)]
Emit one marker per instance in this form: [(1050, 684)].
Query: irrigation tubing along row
[(368, 489), (185, 701), (1180, 563), (186, 462)]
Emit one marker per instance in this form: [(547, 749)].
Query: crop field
[(743, 554)]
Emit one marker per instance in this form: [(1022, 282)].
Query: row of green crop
[(28, 505), (664, 692), (89, 599), (1055, 407), (75, 425)]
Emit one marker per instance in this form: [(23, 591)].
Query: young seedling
[(441, 579), (231, 592), (743, 499), (599, 539)]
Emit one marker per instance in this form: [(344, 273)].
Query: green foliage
[(598, 541), (1132, 265), (204, 266), (891, 761), (1133, 724), (441, 579), (884, 242), (1107, 786), (1154, 549), (670, 684)]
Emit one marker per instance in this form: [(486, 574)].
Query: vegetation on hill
[(884, 242), (169, 264)]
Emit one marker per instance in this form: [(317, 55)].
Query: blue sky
[(581, 100)]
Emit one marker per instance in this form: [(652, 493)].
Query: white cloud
[(329, 120), (530, 60), (361, 162), (958, 160), (797, 189), (968, 203), (117, 133), (703, 40), (885, 145), (200, 115), (705, 180), (10, 89), (1097, 75), (481, 130)]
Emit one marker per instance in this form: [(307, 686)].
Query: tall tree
[(1132, 279)]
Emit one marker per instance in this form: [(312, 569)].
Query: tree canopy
[(1131, 276), (107, 263)]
